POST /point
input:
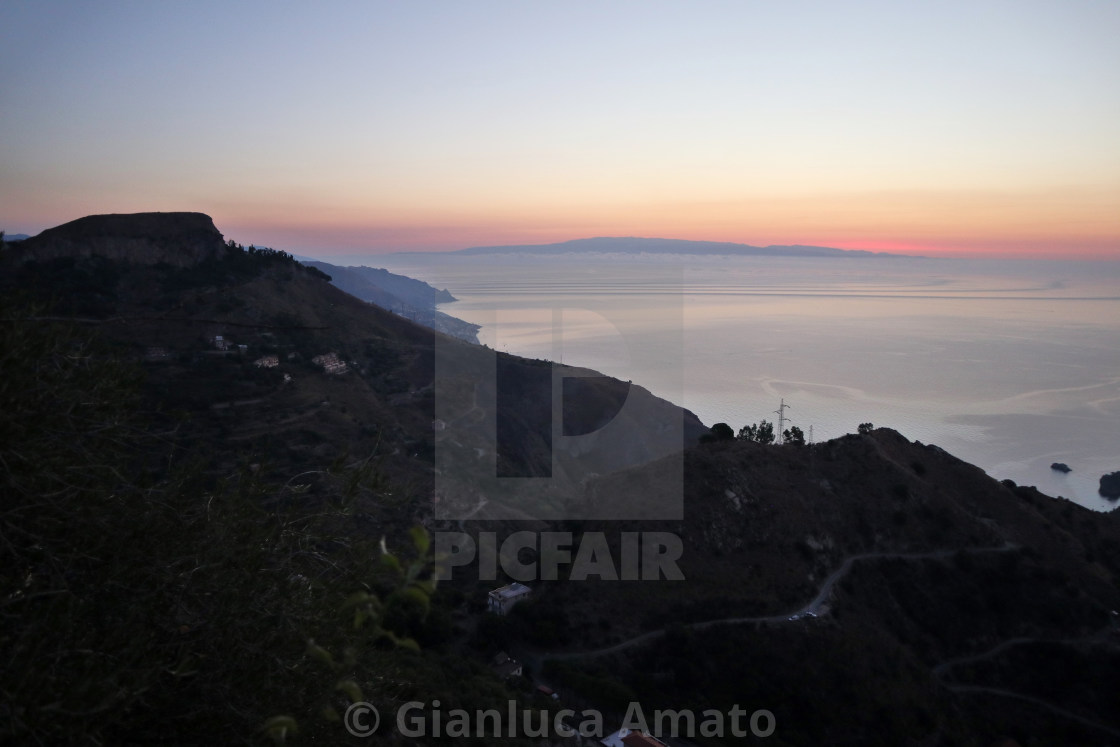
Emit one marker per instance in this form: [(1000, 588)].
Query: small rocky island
[(1061, 467), (1110, 486)]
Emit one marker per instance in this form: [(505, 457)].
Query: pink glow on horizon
[(360, 241)]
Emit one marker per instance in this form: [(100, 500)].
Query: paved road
[(941, 671), (813, 608), (816, 607)]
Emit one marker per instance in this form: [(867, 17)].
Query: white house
[(330, 363), (501, 600)]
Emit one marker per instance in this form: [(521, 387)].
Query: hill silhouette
[(179, 239)]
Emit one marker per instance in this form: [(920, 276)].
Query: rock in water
[(1110, 486), (1060, 467)]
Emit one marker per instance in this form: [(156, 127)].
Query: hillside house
[(330, 363), (267, 361), (501, 601)]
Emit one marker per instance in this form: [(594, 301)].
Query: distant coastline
[(637, 246)]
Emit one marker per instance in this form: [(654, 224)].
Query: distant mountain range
[(634, 245)]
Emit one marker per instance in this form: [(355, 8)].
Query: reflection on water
[(1009, 365)]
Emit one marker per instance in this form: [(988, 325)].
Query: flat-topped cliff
[(178, 239)]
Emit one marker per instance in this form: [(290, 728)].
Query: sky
[(948, 128)]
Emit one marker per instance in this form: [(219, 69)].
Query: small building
[(505, 667), (330, 363), (502, 600), (220, 342), (267, 361)]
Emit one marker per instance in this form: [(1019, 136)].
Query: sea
[(1011, 365)]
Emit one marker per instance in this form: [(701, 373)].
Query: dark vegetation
[(761, 432), (142, 603), (175, 571)]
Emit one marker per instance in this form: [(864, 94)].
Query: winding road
[(817, 607), (941, 671), (813, 609)]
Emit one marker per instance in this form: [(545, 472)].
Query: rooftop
[(511, 590)]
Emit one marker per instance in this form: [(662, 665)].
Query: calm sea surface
[(1009, 365)]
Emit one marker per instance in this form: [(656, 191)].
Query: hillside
[(913, 565), (405, 296), (253, 348), (238, 415)]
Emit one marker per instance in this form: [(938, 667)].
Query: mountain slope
[(302, 370), (915, 565)]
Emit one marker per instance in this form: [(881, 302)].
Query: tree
[(762, 433), (865, 428), (793, 435), (720, 432)]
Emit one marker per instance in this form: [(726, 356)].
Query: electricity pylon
[(781, 413)]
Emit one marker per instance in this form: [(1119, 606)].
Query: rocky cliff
[(178, 239)]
